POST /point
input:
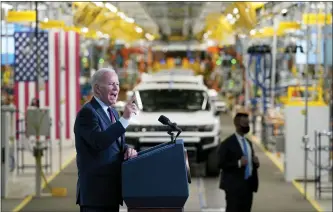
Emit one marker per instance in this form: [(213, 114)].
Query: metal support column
[(274, 52), (38, 152), (306, 137), (8, 145)]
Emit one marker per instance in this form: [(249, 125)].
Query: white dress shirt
[(122, 120), (249, 151)]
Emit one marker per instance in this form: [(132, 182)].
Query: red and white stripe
[(61, 93)]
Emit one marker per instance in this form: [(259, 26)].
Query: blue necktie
[(247, 167)]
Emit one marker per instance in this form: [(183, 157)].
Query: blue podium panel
[(156, 178)]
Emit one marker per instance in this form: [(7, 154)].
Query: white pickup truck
[(185, 102)]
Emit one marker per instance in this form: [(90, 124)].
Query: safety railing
[(16, 145), (25, 145), (322, 163)]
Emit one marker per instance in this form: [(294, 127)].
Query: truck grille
[(162, 128)]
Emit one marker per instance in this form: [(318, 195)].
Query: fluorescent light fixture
[(84, 30), (6, 6), (111, 7), (283, 11), (210, 43), (99, 4), (99, 34), (205, 36), (121, 15), (149, 36), (321, 5), (138, 29), (229, 16), (232, 21), (129, 20)]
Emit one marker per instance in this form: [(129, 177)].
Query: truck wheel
[(212, 164)]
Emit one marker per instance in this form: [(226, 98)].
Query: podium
[(157, 179)]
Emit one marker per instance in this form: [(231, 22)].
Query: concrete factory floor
[(274, 194)]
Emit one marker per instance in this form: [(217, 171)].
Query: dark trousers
[(239, 201), (99, 209)]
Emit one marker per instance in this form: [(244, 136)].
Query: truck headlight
[(206, 128)]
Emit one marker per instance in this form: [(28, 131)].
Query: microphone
[(165, 121)]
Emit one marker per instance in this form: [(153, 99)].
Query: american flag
[(59, 74)]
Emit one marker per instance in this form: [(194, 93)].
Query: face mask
[(245, 130)]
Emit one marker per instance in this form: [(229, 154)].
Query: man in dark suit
[(239, 176), (100, 146)]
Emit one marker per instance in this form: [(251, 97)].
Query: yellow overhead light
[(217, 27), (239, 17), (52, 24), (21, 16), (99, 18), (258, 4), (72, 28)]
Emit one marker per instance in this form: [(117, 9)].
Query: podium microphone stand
[(172, 135), (161, 178)]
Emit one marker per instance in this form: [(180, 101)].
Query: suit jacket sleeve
[(224, 162), (89, 129), (256, 165)]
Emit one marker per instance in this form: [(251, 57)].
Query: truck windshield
[(174, 100)]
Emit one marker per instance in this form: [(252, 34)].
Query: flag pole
[(62, 97), (38, 151), (37, 52)]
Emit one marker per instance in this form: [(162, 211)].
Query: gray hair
[(98, 75)]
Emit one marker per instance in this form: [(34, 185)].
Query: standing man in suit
[(100, 145), (239, 176)]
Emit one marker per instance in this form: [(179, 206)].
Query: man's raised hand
[(130, 108)]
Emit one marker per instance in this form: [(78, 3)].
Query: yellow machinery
[(296, 96)]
